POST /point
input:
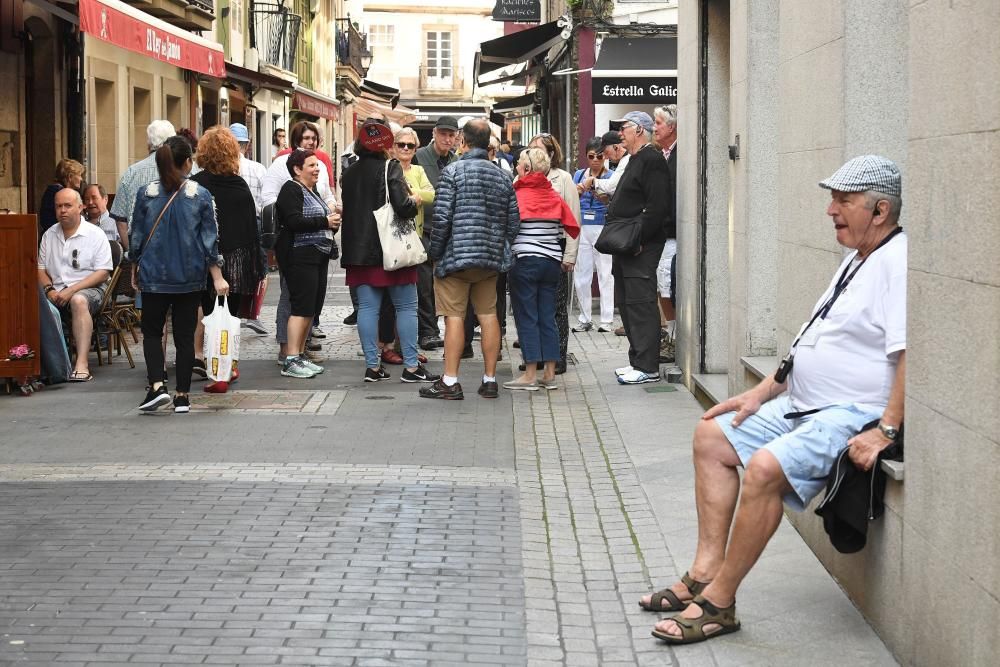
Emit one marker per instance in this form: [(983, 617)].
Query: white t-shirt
[(852, 358), (277, 175), (607, 186), (88, 247)]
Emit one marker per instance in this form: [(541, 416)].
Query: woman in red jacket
[(534, 279)]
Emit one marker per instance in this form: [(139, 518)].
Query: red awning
[(124, 26), (314, 105)]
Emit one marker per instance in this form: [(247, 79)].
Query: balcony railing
[(351, 46), (275, 33), (446, 79)]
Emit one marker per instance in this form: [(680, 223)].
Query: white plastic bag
[(222, 341)]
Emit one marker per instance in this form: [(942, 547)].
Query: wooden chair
[(108, 320)]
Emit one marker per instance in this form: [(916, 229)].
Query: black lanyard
[(842, 283)]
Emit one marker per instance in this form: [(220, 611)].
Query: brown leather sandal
[(676, 604), (693, 629)]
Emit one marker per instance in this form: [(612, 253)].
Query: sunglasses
[(406, 145), (594, 156), (76, 262)]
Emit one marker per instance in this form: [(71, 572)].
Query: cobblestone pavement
[(332, 522)]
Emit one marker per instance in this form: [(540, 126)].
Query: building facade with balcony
[(427, 51)]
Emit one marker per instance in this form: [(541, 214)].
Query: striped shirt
[(538, 238), (253, 173)]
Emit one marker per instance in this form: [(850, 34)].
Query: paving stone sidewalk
[(339, 523)]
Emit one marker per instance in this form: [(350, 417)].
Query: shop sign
[(518, 11), (635, 90), (316, 107), (113, 22)]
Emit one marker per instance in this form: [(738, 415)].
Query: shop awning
[(636, 56), (518, 47), (380, 92), (259, 79), (315, 104), (364, 108), (516, 103), (124, 26)]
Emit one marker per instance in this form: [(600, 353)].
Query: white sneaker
[(623, 370), (635, 376)]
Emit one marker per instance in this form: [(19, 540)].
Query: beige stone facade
[(807, 85)]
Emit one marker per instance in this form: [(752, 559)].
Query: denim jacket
[(185, 243)]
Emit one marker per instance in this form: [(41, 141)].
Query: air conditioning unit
[(251, 60)]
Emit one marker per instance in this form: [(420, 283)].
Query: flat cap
[(866, 172), (611, 138)]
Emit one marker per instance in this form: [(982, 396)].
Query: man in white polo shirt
[(74, 263)]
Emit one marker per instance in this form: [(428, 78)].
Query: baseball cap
[(611, 138), (446, 123), (375, 136), (640, 118), (239, 131), (866, 172)]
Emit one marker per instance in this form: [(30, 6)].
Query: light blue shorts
[(806, 447)]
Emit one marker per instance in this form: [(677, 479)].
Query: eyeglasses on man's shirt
[(76, 262), (403, 144)]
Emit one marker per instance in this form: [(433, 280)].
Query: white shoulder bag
[(401, 245)]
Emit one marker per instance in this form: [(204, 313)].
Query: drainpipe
[(703, 192)]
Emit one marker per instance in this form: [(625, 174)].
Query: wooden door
[(19, 292)]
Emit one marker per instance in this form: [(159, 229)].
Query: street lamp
[(366, 60)]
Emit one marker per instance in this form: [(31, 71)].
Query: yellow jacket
[(419, 184)]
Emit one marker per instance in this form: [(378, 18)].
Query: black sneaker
[(198, 371), (421, 374), (431, 343), (489, 390), (313, 346), (351, 319), (155, 400), (440, 390), (182, 404), (376, 374)]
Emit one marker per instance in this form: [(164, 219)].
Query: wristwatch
[(891, 432), (49, 288)]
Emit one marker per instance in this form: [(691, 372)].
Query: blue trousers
[(533, 284), (404, 298)]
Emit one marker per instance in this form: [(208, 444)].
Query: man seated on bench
[(787, 432), (74, 263)]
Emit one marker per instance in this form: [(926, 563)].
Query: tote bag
[(401, 246)]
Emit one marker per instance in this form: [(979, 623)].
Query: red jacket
[(536, 200)]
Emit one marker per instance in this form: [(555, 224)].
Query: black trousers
[(562, 313), (427, 321), (184, 316), (635, 293)]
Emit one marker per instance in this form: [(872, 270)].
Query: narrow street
[(333, 522)]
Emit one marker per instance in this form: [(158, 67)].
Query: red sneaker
[(217, 387)]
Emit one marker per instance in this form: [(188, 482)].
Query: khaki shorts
[(453, 293)]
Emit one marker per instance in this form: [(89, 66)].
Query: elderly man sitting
[(74, 262), (788, 431)]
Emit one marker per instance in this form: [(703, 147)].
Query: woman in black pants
[(175, 240), (304, 247)]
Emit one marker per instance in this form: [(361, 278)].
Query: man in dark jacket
[(475, 221), (433, 158), (640, 196)]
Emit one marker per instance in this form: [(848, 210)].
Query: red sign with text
[(113, 22)]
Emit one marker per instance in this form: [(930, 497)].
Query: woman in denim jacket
[(176, 238)]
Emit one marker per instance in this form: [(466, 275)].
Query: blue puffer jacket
[(185, 243), (475, 216)]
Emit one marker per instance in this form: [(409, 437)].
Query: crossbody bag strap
[(387, 201)]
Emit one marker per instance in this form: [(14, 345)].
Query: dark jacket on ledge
[(363, 190), (475, 216)]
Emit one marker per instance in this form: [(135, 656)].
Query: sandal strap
[(713, 613), (695, 587), (656, 600)]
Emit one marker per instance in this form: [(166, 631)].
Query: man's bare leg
[(83, 331), (716, 489), (757, 518), (489, 327), (454, 343)]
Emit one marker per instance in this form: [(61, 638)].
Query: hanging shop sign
[(518, 11), (124, 26), (635, 90)]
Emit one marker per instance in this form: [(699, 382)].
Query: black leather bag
[(620, 237), (269, 227)]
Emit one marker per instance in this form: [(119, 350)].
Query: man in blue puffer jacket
[(475, 221)]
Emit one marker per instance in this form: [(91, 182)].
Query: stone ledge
[(714, 386)]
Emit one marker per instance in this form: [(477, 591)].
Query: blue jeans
[(404, 298), (533, 283)]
